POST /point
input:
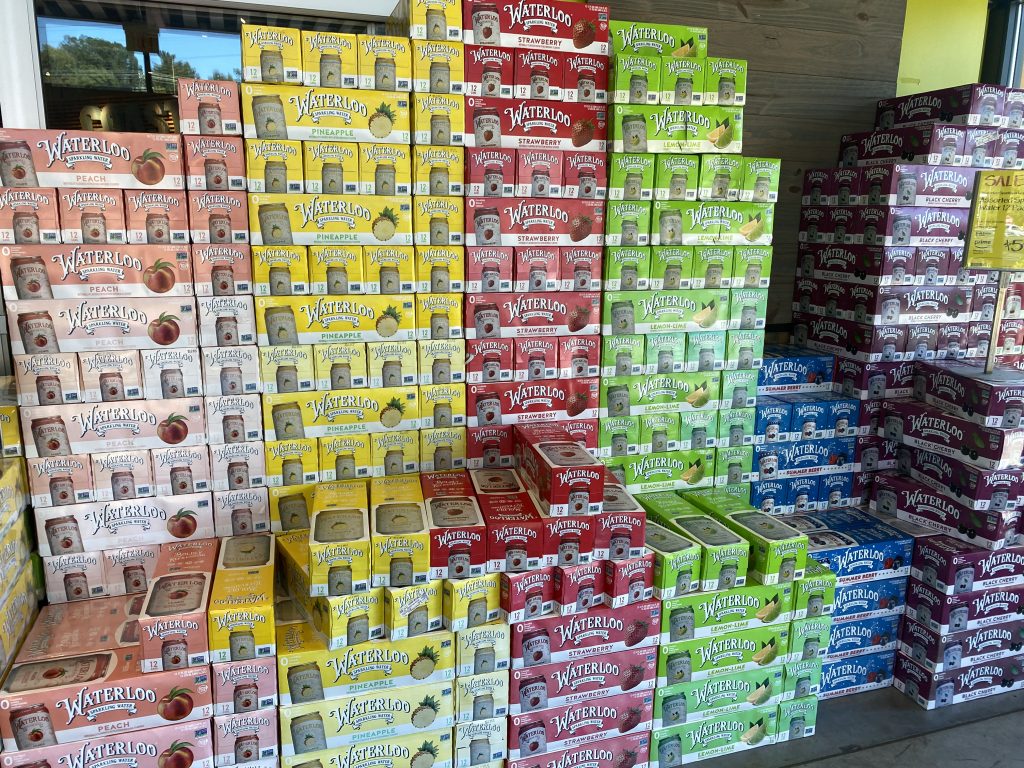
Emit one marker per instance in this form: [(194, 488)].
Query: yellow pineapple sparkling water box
[(10, 432), (438, 67), (385, 63), (440, 268), (385, 169), (338, 723), (341, 365), (292, 462), (439, 119), (331, 167), (439, 316), (442, 449), (438, 170), (442, 406), (480, 697), (311, 219), (280, 270), (392, 363), (399, 532), (471, 602), (481, 743), (389, 269), (287, 368), (345, 457), (273, 165), (339, 555), (395, 453), (307, 671), (412, 611), (432, 749), (442, 361), (271, 54), (337, 114), (340, 412), (482, 649), (336, 270), (241, 609), (329, 59), (428, 20), (438, 220), (326, 319), (289, 507)]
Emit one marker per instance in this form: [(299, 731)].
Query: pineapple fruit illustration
[(382, 121), (388, 322), (392, 414), (385, 225), (425, 714), (423, 665), (425, 755)]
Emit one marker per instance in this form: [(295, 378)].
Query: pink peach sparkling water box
[(74, 271), (173, 619), (92, 216), (209, 107), (31, 715), (80, 325), (159, 217), (58, 158), (29, 215)]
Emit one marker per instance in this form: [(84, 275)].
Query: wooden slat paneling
[(817, 67), (865, 18)]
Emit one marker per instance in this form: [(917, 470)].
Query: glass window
[(110, 65)]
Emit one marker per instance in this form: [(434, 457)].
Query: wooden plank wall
[(816, 69)]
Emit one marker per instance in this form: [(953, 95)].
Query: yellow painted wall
[(942, 44)]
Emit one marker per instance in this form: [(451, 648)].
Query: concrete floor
[(884, 728)]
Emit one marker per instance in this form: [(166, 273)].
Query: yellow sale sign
[(996, 232)]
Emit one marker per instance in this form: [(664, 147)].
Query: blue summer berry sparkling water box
[(789, 368), (864, 636), (862, 673), (867, 553), (869, 599)]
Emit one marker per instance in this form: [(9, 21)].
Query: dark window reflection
[(114, 66)]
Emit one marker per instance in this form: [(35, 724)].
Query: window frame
[(21, 96)]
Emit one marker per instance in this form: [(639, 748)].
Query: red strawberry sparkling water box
[(534, 221), (601, 630), (490, 360), (629, 581), (578, 588), (508, 315), (579, 356), (620, 532), (538, 74), (585, 78), (489, 269), (527, 595), (633, 749), (489, 447), (490, 71), (594, 677), (526, 123), (550, 25), (515, 533), (457, 535), (568, 540), (580, 268), (565, 477), (522, 402), (579, 723), (535, 359), (490, 172)]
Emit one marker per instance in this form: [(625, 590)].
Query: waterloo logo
[(212, 145), (71, 150), (934, 426), (490, 55), (528, 307), (535, 396), (220, 254), (25, 198), (882, 143), (638, 37), (581, 717), (89, 198), (150, 201), (533, 115), (981, 675), (918, 107), (706, 216), (205, 90), (210, 201), (707, 732), (316, 104), (322, 211), (102, 419), (325, 312), (329, 150), (268, 37), (331, 406), (93, 317), (328, 41), (676, 121), (90, 703), (114, 516)]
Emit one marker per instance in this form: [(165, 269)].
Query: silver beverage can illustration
[(670, 752), (479, 751), (673, 710), (678, 668), (681, 624), (727, 576), (533, 694), (358, 629), (958, 618), (951, 656), (483, 660), (401, 572), (307, 732)]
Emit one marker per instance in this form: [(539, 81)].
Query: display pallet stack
[(809, 434), (882, 284), (744, 630), (687, 265)]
